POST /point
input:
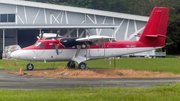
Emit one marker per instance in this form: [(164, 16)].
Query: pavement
[(10, 81)]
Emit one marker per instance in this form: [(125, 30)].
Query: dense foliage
[(140, 7)]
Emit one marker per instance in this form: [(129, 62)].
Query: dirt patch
[(1, 68), (96, 73)]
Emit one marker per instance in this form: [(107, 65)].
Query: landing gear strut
[(30, 66), (82, 65), (71, 64)]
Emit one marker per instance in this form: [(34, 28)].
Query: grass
[(165, 93), (37, 65), (151, 64)]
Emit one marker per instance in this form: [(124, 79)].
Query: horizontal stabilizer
[(155, 36)]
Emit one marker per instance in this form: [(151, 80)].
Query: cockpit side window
[(42, 45), (37, 43)]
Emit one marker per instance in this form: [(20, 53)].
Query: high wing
[(96, 38), (70, 42)]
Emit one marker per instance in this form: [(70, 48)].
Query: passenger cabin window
[(42, 45)]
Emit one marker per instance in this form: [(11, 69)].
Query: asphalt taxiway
[(9, 81)]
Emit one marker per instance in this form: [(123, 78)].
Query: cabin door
[(97, 51)]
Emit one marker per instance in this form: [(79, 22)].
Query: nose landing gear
[(30, 66)]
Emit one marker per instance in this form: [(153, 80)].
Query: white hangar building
[(22, 21)]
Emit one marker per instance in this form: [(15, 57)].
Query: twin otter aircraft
[(96, 47)]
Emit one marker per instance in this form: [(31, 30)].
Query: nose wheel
[(30, 66)]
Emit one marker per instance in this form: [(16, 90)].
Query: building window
[(11, 17), (7, 17), (3, 17)]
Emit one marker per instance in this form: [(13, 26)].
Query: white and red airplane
[(96, 47)]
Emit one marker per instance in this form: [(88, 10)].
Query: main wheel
[(30, 66), (71, 64), (82, 65)]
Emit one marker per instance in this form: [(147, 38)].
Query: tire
[(71, 64), (82, 65), (30, 66)]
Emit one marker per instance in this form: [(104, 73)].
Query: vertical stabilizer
[(154, 34)]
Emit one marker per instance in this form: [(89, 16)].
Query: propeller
[(58, 32), (42, 35), (57, 52)]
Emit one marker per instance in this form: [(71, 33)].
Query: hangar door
[(27, 37)]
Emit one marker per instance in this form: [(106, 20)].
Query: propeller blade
[(58, 32), (42, 35), (56, 36), (57, 49)]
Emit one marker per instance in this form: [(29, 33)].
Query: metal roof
[(61, 26), (76, 9)]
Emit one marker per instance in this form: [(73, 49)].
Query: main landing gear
[(82, 65), (71, 65)]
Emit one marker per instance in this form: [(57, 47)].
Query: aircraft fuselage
[(44, 50)]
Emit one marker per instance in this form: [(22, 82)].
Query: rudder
[(154, 34)]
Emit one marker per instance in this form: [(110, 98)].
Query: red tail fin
[(154, 34)]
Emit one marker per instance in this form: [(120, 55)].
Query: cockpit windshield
[(37, 43)]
